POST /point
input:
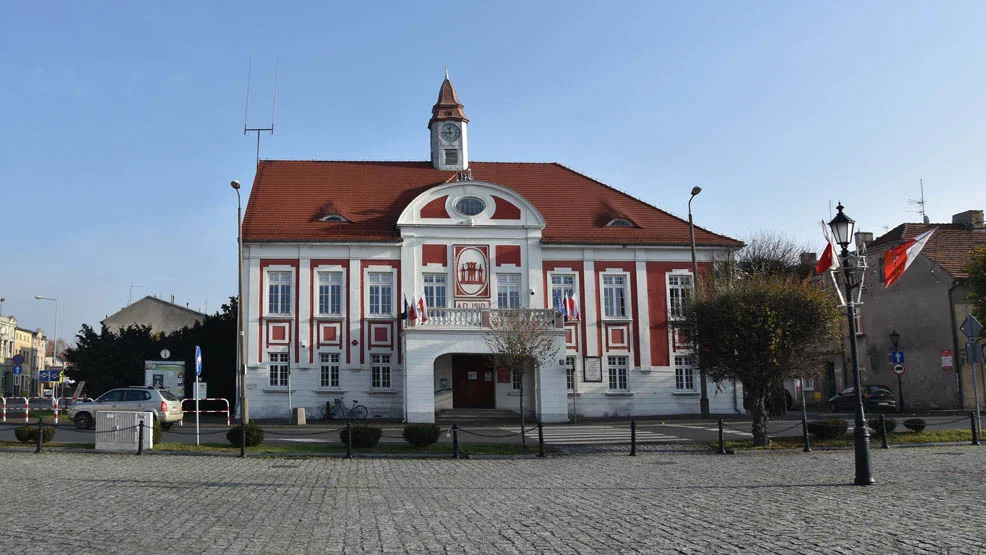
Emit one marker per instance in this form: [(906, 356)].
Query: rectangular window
[(277, 369), (508, 290), (451, 156), (381, 293), (381, 371), (618, 369), (436, 290), (562, 287), (279, 292), (614, 296), (679, 293), (570, 373), (684, 373), (515, 378), (329, 367), (330, 293)]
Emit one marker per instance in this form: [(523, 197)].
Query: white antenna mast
[(920, 204), (246, 113)]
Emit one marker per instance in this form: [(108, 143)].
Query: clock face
[(450, 132)]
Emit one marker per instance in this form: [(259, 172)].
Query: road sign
[(946, 359), (971, 327), (973, 354), (18, 360), (198, 361), (18, 369), (897, 357), (899, 369)]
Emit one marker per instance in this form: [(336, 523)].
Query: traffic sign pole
[(972, 328)]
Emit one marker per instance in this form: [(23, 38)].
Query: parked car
[(875, 398), (165, 406)]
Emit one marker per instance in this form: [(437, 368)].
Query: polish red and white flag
[(828, 260), (898, 259), (422, 309)]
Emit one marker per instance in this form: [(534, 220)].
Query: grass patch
[(927, 436)]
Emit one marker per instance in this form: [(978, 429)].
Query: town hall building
[(335, 252)]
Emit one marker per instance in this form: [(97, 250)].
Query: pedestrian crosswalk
[(598, 435)]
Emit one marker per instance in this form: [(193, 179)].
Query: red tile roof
[(950, 246), (289, 198)]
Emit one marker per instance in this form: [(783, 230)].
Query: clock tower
[(448, 131)]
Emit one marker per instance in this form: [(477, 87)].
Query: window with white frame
[(679, 293), (436, 290), (614, 296), (279, 293), (515, 378), (508, 290), (330, 293), (619, 367), (684, 373), (570, 373), (562, 287), (380, 371), (328, 369), (278, 370), (381, 287)]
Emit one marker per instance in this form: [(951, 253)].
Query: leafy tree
[(520, 341), (756, 320), (976, 283)]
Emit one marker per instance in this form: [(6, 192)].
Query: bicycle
[(340, 412)]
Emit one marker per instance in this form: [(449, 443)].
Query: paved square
[(926, 500)]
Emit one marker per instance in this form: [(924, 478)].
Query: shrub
[(29, 434), (254, 434), (421, 435), (828, 429), (874, 424), (157, 432), (364, 436), (915, 424)]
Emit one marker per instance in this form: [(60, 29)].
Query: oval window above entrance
[(470, 206)]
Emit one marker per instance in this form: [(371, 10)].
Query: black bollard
[(349, 440), (633, 438), (804, 431), (41, 436), (883, 433), (722, 442), (975, 428), (455, 441), (540, 441), (140, 437)]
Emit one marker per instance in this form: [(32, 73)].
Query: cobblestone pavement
[(926, 500)]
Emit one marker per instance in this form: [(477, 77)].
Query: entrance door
[(472, 383)]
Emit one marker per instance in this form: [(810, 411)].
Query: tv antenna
[(920, 204), (246, 113), (130, 298)]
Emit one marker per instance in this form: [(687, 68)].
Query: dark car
[(875, 398)]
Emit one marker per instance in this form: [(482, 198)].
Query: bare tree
[(521, 341)]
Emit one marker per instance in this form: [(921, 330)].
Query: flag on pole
[(560, 304), (407, 312), (412, 314), (828, 260), (898, 259), (422, 309), (574, 311)]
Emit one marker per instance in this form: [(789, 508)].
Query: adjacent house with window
[(336, 253)]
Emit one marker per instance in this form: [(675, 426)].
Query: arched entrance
[(464, 381)]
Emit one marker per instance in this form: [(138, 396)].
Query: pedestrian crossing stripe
[(599, 435), (725, 431)]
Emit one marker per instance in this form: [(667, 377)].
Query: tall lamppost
[(842, 228), (895, 341), (240, 358), (704, 395), (54, 351)]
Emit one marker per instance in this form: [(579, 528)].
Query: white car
[(165, 406)]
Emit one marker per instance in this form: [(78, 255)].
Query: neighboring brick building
[(331, 250)]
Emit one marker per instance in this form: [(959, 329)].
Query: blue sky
[(122, 123)]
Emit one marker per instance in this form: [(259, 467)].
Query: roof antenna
[(246, 112), (920, 203), (446, 73)]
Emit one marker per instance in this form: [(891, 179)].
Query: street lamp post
[(842, 228), (54, 350), (240, 357), (895, 341), (704, 395)]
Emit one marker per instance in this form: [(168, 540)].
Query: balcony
[(479, 318)]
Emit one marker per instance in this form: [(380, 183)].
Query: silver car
[(165, 406)]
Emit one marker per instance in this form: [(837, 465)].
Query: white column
[(589, 306), (551, 391), (420, 393), (643, 315)]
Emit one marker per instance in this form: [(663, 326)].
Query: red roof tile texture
[(289, 198), (950, 246)]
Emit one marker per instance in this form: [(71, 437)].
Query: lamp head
[(696, 190), (842, 226), (235, 184), (895, 339), (37, 297)]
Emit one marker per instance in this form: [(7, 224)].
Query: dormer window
[(620, 222), (333, 218)]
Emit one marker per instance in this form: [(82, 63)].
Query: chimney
[(862, 238), (970, 219)]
